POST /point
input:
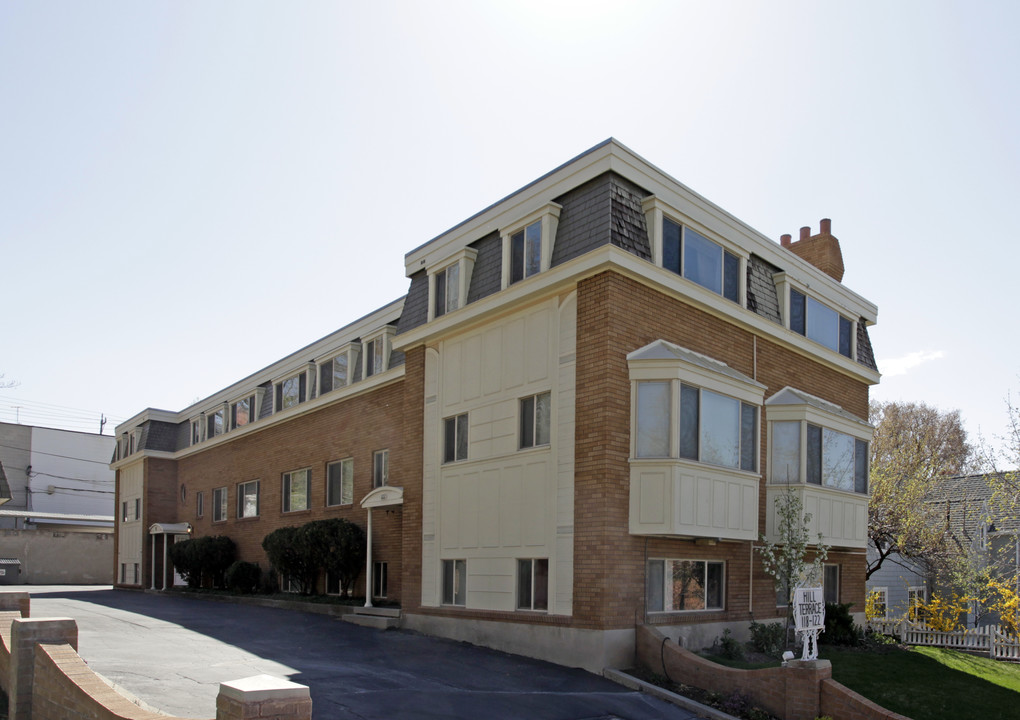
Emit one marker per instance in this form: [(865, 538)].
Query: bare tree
[(914, 448)]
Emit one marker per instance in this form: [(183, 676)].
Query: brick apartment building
[(575, 422)]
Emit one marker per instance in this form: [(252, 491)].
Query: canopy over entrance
[(170, 528)]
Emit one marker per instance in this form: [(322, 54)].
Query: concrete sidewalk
[(172, 652)]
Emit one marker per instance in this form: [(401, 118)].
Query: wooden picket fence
[(990, 639)]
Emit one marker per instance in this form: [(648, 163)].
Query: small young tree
[(786, 560)]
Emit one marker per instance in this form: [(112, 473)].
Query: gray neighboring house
[(972, 526), (56, 506)]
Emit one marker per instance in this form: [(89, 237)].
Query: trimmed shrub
[(203, 560), (243, 577), (338, 546), (291, 555), (769, 638), (840, 628)]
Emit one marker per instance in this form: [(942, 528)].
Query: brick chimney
[(821, 250)]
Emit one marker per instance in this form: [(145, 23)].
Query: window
[(138, 509), (711, 428), (125, 511), (123, 572), (447, 290), (526, 252), (916, 598), (340, 482), (137, 575), (335, 373), (196, 432), (379, 572), (879, 599), (533, 584), (291, 392), (681, 585), (373, 357), (219, 502), (242, 412), (455, 438), (833, 459), (214, 424), (535, 422), (454, 582), (782, 593), (296, 490), (692, 255), (820, 323), (830, 583), (380, 468), (248, 499), (131, 444), (200, 504)]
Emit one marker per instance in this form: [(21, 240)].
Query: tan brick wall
[(410, 468), (616, 316), (841, 702), (355, 428)]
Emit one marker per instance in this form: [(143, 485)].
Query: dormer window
[(215, 423), (196, 431), (816, 320), (527, 245), (820, 323), (377, 352), (292, 391), (243, 412), (338, 371), (449, 284)]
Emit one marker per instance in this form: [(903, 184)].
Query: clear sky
[(190, 191)]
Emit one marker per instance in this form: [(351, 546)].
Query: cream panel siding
[(841, 517), (131, 536), (682, 499), (501, 503)]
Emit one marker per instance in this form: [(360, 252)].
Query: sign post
[(809, 618)]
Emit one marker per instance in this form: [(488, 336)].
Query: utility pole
[(17, 413), (102, 421)]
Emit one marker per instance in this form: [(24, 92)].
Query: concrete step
[(379, 622), (377, 611)]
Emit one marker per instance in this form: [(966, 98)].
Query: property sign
[(808, 608)]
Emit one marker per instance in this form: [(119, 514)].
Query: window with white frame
[(338, 371), (380, 468), (291, 392), (215, 424), (131, 443), (248, 499), (830, 583), (377, 352), (816, 442), (219, 504), (296, 490), (455, 438), (533, 584), (535, 421), (527, 244), (455, 582), (200, 503), (242, 412), (446, 290), (917, 596), (688, 406), (196, 431), (380, 579), (819, 322), (684, 585), (879, 600), (340, 482), (710, 427), (692, 255)]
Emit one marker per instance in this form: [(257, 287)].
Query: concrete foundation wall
[(49, 557), (593, 650)]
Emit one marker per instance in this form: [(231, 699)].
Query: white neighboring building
[(57, 520)]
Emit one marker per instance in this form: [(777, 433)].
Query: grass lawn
[(930, 683)]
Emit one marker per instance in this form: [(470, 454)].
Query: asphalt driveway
[(172, 653)]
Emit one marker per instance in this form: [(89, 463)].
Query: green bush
[(728, 647), (291, 555), (203, 560), (840, 628), (769, 638), (300, 553), (243, 577)]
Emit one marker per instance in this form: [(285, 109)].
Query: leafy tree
[(205, 557), (182, 554), (786, 560), (915, 446), (339, 548), (290, 554), (243, 577)]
